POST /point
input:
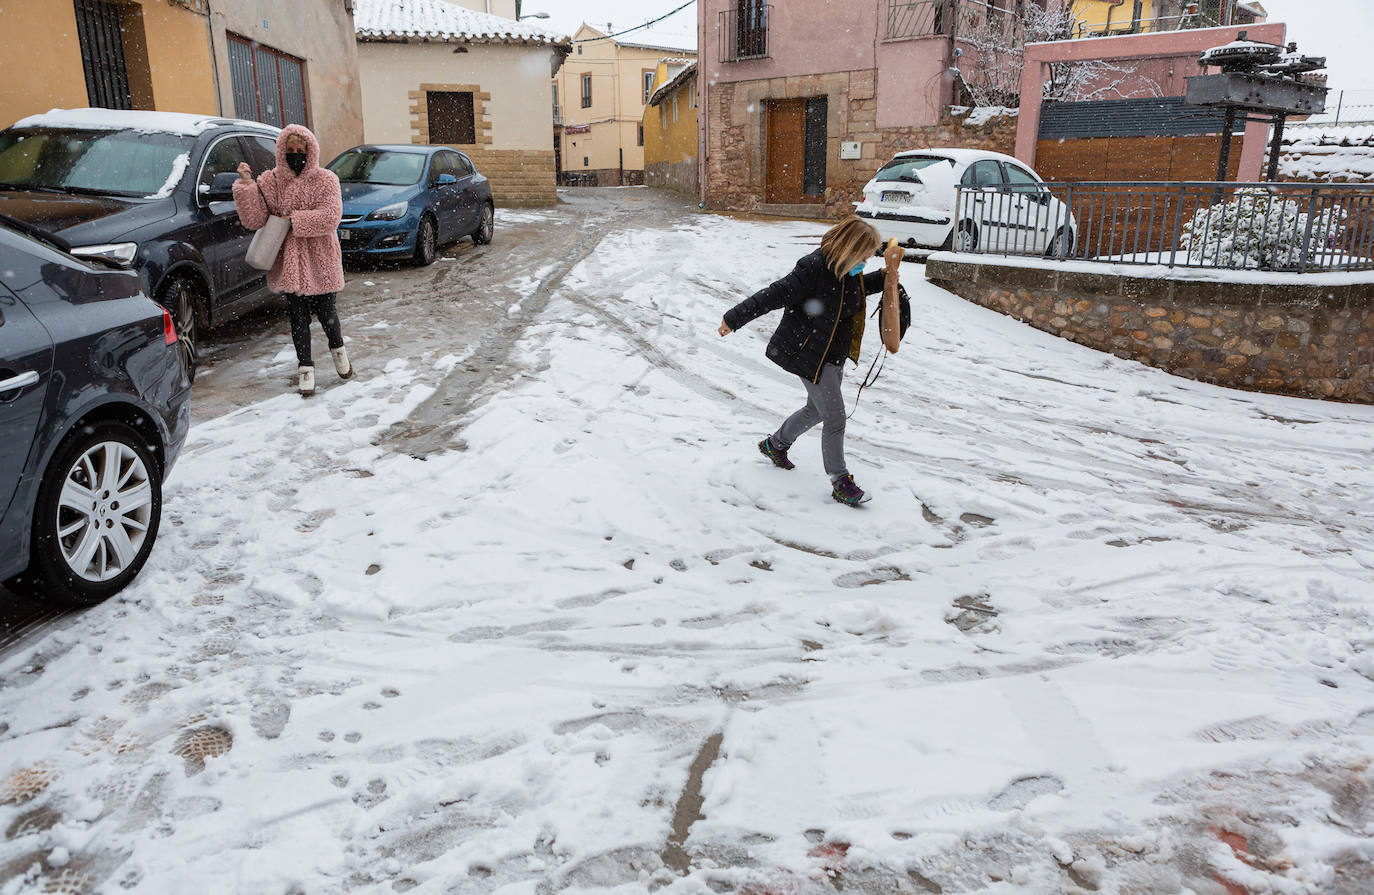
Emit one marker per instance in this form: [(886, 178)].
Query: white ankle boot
[(305, 381), (341, 363)]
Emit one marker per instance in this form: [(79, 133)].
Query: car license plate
[(350, 237), (896, 196)]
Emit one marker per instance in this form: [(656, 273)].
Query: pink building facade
[(803, 100), (1165, 58)]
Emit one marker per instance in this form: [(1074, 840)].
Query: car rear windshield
[(379, 166), (904, 169), (101, 162)]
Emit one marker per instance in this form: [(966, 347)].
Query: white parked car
[(1005, 207)]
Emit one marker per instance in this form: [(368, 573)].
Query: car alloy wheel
[(180, 299), (487, 229), (966, 240), (425, 252), (97, 516), (1062, 243), (103, 511)]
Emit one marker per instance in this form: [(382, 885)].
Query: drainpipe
[(214, 58)]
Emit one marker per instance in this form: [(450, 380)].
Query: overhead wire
[(637, 27)]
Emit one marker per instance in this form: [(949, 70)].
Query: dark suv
[(148, 189), (94, 407)]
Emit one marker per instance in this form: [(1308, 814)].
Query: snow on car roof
[(179, 123), (437, 20), (962, 156)]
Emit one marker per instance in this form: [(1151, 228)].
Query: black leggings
[(302, 307)]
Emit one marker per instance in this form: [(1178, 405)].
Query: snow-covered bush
[(1257, 229)]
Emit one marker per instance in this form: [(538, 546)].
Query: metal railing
[(908, 19), (1154, 25), (1237, 226), (743, 31)]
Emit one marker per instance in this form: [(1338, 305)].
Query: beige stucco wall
[(517, 77), (321, 33), (617, 102)]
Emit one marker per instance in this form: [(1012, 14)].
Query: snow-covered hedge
[(1258, 230)]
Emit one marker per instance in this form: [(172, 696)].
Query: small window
[(585, 161), (663, 117), (223, 158), (1020, 180), (586, 91), (986, 173), (579, 49), (640, 139), (555, 94), (451, 118), (442, 164), (692, 95), (262, 154), (675, 110), (648, 85)]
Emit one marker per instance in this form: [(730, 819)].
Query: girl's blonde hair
[(848, 243)]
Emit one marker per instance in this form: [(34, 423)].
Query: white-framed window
[(663, 117), (674, 110), (648, 85)]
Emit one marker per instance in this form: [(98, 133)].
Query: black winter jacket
[(820, 315)]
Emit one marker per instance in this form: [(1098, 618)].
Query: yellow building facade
[(670, 128), (1097, 17), (162, 58), (602, 92)]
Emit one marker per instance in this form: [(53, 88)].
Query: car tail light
[(169, 329)]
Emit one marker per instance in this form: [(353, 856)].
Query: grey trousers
[(824, 404)]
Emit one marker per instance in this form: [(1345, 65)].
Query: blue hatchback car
[(406, 201)]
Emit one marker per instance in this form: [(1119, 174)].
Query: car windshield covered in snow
[(904, 169), (379, 166), (103, 162)]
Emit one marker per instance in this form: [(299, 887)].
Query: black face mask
[(295, 161)]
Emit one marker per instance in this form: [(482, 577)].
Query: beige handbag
[(267, 242)]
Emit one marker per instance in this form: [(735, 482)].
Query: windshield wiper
[(37, 233)]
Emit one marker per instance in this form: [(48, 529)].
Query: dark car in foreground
[(94, 407), (148, 189), (406, 201)]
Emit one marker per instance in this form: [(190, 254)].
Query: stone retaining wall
[(1312, 340)]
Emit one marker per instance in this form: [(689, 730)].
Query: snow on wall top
[(437, 20), (179, 123), (1328, 154)]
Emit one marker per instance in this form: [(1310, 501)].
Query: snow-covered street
[(508, 611)]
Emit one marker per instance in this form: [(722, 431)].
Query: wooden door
[(785, 151)]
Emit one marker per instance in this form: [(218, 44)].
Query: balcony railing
[(1185, 22), (908, 19), (743, 31)]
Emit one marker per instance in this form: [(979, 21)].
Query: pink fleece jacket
[(310, 262)]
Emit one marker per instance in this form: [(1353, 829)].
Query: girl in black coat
[(822, 302)]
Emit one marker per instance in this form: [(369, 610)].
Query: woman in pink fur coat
[(309, 269)]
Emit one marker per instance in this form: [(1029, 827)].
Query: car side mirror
[(446, 179), (221, 189)]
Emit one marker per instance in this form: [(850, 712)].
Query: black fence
[(1235, 226)]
